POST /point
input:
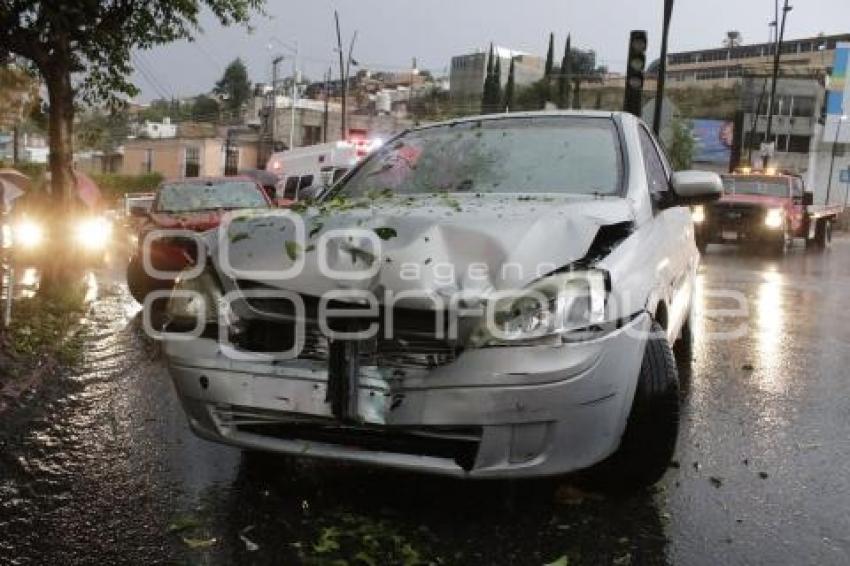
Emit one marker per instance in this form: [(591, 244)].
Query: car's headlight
[(698, 214), (93, 233), (774, 218), (553, 307), (196, 301), (28, 234)]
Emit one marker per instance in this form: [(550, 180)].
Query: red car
[(195, 205)]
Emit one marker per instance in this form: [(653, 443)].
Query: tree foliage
[(92, 41), (510, 88), (102, 131), (234, 87), (550, 57), (491, 98), (565, 76), (682, 144)]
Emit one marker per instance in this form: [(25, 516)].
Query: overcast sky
[(392, 32)]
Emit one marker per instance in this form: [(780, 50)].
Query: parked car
[(190, 205), (766, 208), (514, 315)]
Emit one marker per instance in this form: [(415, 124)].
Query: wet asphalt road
[(101, 468)]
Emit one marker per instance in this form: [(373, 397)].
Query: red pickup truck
[(765, 209)]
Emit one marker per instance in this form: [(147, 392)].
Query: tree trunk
[(61, 136), (59, 272)]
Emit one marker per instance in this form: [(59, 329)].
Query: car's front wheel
[(647, 445)]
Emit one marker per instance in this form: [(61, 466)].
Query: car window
[(339, 174), (209, 195), (306, 181), (755, 185), (563, 154), (656, 172), (290, 189)]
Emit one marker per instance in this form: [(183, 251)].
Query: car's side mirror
[(695, 187), (808, 198)]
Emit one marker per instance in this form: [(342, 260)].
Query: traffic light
[(635, 72)]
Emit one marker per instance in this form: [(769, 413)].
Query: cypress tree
[(496, 99), (509, 88), (565, 76), (550, 56), (487, 94)]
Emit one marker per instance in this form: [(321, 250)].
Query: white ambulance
[(316, 165)]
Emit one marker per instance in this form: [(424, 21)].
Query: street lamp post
[(841, 119)]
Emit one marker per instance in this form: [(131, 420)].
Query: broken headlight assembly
[(564, 307)]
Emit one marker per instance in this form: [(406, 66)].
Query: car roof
[(211, 179), (532, 114)]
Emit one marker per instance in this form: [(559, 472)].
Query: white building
[(157, 130)]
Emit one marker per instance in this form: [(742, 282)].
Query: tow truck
[(765, 208)]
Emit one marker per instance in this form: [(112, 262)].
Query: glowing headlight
[(28, 234), (193, 300), (774, 218), (551, 307), (698, 214), (93, 233)]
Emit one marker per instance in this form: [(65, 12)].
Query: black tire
[(649, 441), (823, 234), (783, 241), (683, 348), (140, 283)]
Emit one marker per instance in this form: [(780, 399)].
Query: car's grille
[(413, 340), (458, 443), (735, 215)]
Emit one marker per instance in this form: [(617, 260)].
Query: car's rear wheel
[(649, 441), (823, 234)]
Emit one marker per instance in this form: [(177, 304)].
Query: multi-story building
[(468, 72), (796, 111), (725, 66)]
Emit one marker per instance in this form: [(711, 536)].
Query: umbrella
[(87, 190), (13, 184)]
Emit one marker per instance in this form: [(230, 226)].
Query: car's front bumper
[(495, 412)]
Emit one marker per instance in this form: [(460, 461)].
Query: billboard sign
[(838, 97), (713, 141)]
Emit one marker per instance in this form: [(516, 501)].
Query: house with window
[(195, 151)]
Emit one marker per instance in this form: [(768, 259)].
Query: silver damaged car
[(490, 297)]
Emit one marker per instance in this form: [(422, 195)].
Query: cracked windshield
[(424, 283)]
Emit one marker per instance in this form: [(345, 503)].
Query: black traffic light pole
[(662, 68), (636, 63)]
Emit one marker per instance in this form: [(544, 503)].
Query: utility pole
[(343, 125), (755, 122), (662, 69), (273, 107), (841, 118), (778, 54), (325, 114), (294, 97)]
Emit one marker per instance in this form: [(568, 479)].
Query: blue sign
[(845, 175), (713, 140)]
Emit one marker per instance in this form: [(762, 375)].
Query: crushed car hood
[(469, 243)]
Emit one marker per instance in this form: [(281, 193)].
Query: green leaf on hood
[(293, 248), (386, 233)]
